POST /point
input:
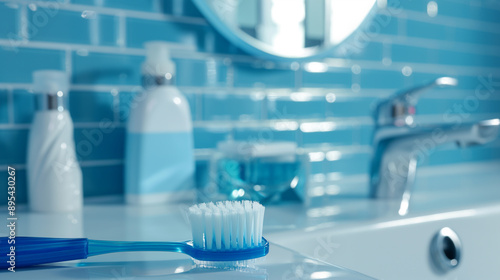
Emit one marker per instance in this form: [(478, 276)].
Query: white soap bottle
[(54, 175), (159, 157)]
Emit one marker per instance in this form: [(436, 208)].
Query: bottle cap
[(158, 61), (50, 81)]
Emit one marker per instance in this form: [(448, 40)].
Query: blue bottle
[(159, 160)]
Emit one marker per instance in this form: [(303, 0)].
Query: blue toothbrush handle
[(30, 251)]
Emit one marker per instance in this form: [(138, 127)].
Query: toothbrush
[(224, 233)]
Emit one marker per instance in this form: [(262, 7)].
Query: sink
[(401, 248), (370, 237)]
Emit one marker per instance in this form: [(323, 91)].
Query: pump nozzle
[(158, 61), (50, 82)]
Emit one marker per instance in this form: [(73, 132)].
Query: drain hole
[(446, 249), (449, 248)]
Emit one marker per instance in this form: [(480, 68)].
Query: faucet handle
[(398, 110)]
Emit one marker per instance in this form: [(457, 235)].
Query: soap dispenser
[(54, 175), (159, 159)]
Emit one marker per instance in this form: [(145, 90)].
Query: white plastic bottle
[(159, 160), (54, 175)]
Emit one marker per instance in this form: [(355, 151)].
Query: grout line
[(157, 5), (63, 46), (346, 94), (402, 23), (420, 67), (387, 51), (96, 125), (121, 37), (68, 62), (466, 48), (17, 166), (116, 106), (463, 23), (177, 50), (10, 105), (105, 87), (101, 162), (84, 163), (229, 74), (15, 86), (177, 8), (198, 107), (298, 77), (23, 22), (15, 126), (340, 122), (209, 40), (95, 30)]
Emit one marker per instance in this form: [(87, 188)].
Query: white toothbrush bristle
[(227, 225)]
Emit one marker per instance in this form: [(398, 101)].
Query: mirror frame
[(258, 49)]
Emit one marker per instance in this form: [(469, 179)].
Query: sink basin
[(401, 248), (369, 236)]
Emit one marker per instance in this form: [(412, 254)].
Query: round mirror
[(286, 29)]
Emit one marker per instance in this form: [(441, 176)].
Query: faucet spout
[(398, 110), (392, 168), (399, 145)]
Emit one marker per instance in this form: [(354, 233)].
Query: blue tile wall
[(104, 68), (207, 138), (81, 101), (54, 27), (231, 107), (24, 104), (234, 95), (248, 75), (254, 134), (289, 109), (144, 5), (18, 64), (140, 31), (8, 14), (13, 143), (341, 137), (93, 144), (108, 33), (337, 79)]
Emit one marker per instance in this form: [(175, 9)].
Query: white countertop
[(110, 219)]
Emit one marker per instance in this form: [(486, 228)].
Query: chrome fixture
[(399, 142), (446, 249), (399, 109), (52, 101)]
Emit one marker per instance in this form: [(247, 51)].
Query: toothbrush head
[(228, 231)]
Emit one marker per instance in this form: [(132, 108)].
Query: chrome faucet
[(399, 143)]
